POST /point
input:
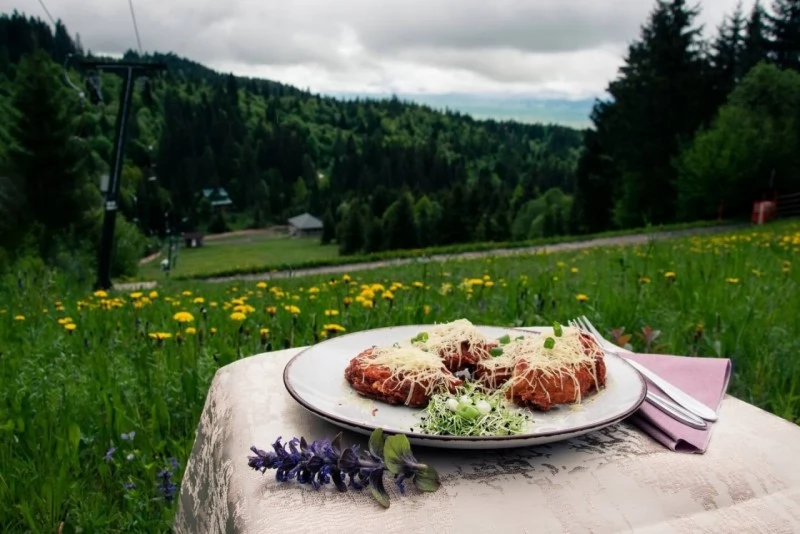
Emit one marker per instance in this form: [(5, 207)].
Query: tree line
[(694, 128)]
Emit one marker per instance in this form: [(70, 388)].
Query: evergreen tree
[(660, 98), (727, 52), (756, 40), (784, 29), (45, 163)]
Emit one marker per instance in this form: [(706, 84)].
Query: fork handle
[(678, 395)]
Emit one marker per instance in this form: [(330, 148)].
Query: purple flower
[(129, 436), (109, 454), (324, 461), (166, 486), (129, 486)]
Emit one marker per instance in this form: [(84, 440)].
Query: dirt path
[(635, 239)]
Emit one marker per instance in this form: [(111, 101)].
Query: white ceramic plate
[(315, 378)]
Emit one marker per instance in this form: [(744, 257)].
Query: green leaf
[(497, 351), (395, 451), (377, 488), (505, 340), (557, 330), (74, 435), (427, 479), (549, 343), (376, 442)]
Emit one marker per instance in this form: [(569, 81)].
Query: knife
[(676, 411)]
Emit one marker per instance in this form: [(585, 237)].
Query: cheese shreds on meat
[(411, 364), (536, 367), (452, 340)]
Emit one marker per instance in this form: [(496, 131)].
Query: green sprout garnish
[(422, 336), (557, 330), (496, 351), (549, 343), (505, 340), (471, 412)]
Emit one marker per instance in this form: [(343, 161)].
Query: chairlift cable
[(44, 7), (135, 27)]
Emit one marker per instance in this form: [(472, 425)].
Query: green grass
[(241, 253), (68, 396), (253, 258)]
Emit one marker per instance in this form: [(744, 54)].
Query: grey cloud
[(378, 41)]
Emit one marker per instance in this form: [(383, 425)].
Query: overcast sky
[(542, 48)]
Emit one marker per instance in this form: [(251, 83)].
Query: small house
[(193, 239), (218, 197), (304, 225)]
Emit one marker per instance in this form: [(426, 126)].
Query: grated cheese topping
[(411, 364), (447, 340), (565, 358)]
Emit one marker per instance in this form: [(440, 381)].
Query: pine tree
[(727, 52), (45, 162), (784, 30), (756, 42), (660, 98)]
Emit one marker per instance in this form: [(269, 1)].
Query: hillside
[(372, 166)]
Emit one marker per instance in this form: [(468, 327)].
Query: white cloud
[(563, 48)]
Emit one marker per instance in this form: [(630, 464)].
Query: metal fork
[(668, 406), (678, 395)]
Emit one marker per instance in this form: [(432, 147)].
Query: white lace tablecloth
[(614, 480)]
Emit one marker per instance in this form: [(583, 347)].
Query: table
[(614, 480)]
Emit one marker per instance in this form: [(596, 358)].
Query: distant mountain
[(531, 110)]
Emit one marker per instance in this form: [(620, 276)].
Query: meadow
[(241, 253), (102, 391)]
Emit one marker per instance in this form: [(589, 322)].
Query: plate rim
[(472, 439)]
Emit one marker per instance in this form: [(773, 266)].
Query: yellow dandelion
[(426, 309), (388, 295), (183, 317), (347, 301), (160, 336), (264, 332), (199, 300), (153, 295), (333, 328), (488, 284), (732, 280), (669, 275), (580, 297), (100, 294), (261, 285), (190, 330), (331, 313), (136, 295), (187, 293), (418, 284), (19, 317), (346, 278), (272, 310), (69, 327), (65, 320), (367, 303), (238, 316), (294, 310), (574, 270), (213, 330), (644, 280)]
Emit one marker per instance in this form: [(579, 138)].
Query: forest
[(695, 128)]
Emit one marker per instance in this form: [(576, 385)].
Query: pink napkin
[(706, 379)]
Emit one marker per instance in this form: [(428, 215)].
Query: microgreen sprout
[(471, 412), (549, 343)]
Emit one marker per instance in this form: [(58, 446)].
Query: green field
[(128, 364), (241, 253)]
